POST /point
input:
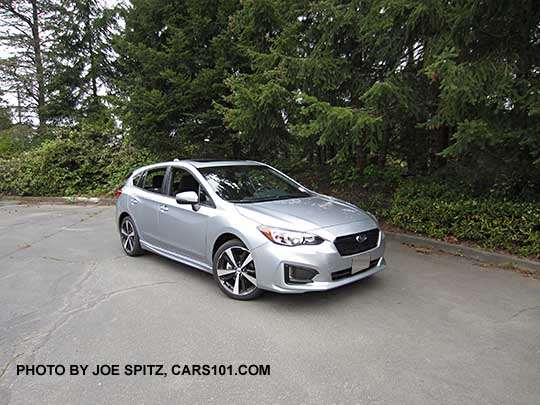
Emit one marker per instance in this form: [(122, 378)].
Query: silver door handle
[(163, 208)]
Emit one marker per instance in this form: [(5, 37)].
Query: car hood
[(304, 214)]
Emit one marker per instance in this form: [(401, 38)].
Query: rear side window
[(137, 180), (153, 180)]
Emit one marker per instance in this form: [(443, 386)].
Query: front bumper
[(271, 258)]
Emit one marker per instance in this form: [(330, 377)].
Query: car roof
[(199, 163)]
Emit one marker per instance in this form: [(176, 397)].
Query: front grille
[(348, 244), (338, 275)]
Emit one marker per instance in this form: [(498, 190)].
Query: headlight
[(289, 238)]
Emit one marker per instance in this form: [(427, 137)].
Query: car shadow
[(289, 301), (322, 298)]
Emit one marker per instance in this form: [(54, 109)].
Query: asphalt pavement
[(431, 328)]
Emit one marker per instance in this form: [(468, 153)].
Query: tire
[(129, 237), (236, 276)]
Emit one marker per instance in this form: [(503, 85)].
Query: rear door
[(144, 205), (183, 228)]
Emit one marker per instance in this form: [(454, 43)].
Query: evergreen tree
[(171, 73), (24, 73), (82, 48)]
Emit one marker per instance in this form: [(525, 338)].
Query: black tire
[(242, 280), (129, 237)]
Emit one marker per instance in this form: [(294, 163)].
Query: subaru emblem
[(361, 238)]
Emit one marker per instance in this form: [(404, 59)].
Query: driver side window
[(182, 181)]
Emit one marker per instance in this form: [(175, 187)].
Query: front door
[(183, 228)]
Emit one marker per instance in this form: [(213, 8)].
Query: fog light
[(299, 275)]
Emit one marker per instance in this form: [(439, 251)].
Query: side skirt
[(176, 257)]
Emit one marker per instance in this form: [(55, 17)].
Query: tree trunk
[(381, 158), (360, 158), (441, 143), (91, 50), (38, 63), (19, 109)]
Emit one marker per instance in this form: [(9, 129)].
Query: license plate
[(360, 263)]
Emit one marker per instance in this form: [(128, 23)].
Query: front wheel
[(234, 271)]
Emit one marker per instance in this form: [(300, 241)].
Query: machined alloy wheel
[(234, 271), (130, 237)]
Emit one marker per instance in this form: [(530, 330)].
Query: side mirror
[(187, 197)]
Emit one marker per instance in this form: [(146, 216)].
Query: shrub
[(439, 211), (14, 140), (73, 163), (124, 159)]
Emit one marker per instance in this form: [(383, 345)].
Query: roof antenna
[(176, 160)]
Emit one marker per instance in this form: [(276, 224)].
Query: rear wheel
[(130, 238), (234, 271)]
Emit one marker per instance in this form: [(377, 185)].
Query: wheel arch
[(223, 238), (127, 214), (122, 216)]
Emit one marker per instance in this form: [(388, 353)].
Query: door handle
[(133, 201), (163, 208)]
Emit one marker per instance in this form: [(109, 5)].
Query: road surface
[(430, 329)]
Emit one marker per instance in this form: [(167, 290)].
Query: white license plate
[(360, 263)]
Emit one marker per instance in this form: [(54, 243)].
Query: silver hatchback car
[(251, 226)]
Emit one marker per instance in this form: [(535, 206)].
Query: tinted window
[(153, 181), (137, 180), (182, 180), (204, 198), (245, 183)]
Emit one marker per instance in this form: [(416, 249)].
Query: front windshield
[(248, 184)]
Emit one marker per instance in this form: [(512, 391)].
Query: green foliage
[(359, 92), (124, 159), (72, 163), (14, 140), (172, 65), (258, 116), (5, 118), (83, 31), (439, 210)]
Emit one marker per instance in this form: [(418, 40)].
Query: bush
[(73, 163), (439, 211), (124, 159), (15, 140)]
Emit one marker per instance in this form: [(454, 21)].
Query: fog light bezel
[(288, 268)]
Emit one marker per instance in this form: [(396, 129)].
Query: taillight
[(118, 193)]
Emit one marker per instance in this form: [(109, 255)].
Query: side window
[(204, 198), (153, 181), (137, 180), (182, 181)]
